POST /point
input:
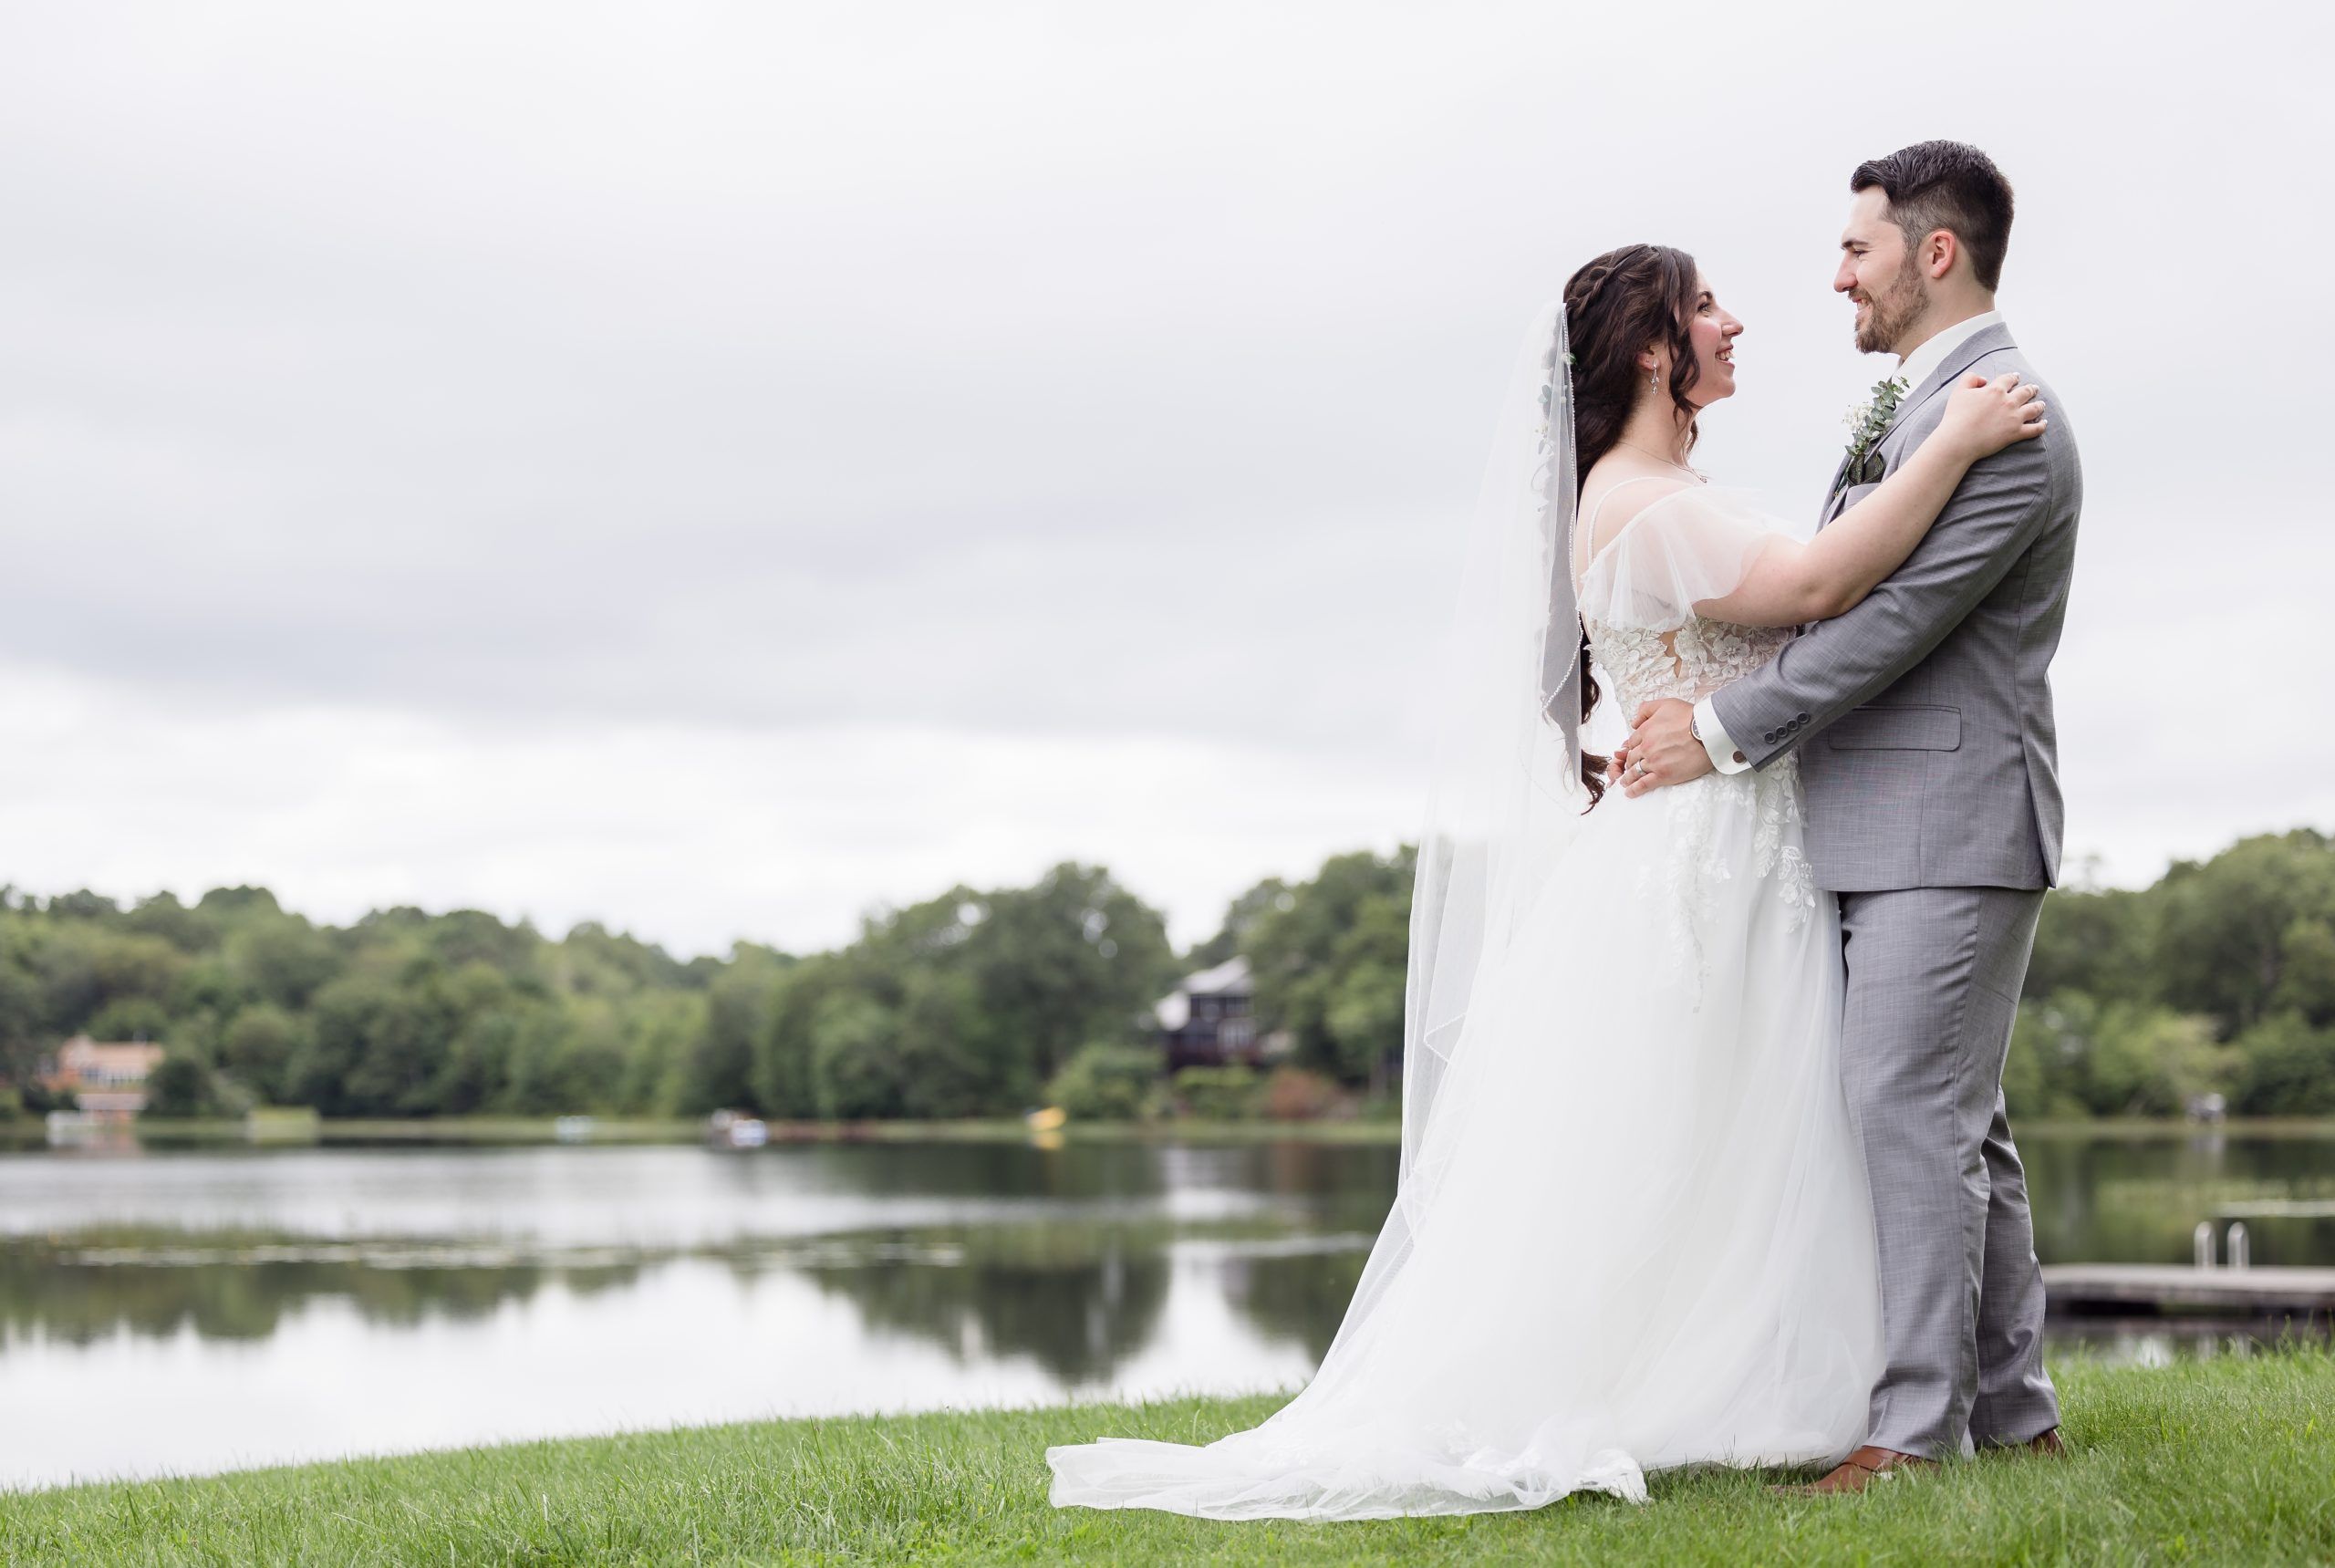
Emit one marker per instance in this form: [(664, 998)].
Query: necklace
[(1652, 453)]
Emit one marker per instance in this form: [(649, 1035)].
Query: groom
[(1922, 720)]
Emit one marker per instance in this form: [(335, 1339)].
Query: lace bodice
[(1688, 662)]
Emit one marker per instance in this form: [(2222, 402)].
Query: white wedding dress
[(1650, 1244)]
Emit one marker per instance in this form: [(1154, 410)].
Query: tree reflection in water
[(84, 1288)]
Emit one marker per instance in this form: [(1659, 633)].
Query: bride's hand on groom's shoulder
[(1982, 416), (1661, 749)]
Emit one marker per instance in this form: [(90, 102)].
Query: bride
[(1630, 1229)]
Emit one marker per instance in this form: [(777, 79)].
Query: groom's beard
[(1893, 313)]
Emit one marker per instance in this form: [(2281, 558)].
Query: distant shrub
[(1220, 1094), (1294, 1095), (1105, 1083)]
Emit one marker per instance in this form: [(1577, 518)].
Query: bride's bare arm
[(1790, 582)]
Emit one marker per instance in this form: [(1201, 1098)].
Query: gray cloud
[(1057, 373)]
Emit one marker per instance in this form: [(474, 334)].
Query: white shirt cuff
[(1715, 740)]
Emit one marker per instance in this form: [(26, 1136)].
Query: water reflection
[(74, 1294), (193, 1309), (1076, 1310), (2137, 1198)]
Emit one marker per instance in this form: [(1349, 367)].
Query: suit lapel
[(1967, 353)]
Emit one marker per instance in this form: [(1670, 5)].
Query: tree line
[(2217, 980)]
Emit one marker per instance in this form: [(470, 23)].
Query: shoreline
[(30, 1132)]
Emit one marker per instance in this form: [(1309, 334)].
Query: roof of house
[(1175, 1009), (1232, 974), (114, 1059)]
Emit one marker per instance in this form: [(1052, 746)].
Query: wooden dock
[(2158, 1286)]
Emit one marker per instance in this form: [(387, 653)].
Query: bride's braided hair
[(1619, 303)]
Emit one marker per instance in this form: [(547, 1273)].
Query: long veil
[(1506, 798)]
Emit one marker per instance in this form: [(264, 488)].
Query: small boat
[(736, 1129)]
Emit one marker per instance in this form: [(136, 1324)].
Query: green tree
[(2306, 971), (179, 1085), (130, 1018), (282, 960), (81, 966), (376, 1046), (163, 916), (784, 1075), (986, 994), (658, 1024), (2288, 1068), (2072, 1053), (1329, 958), (856, 1069), (1363, 1019), (2221, 944), (1075, 958), (2097, 941), (956, 1058), (256, 1048), (2152, 1061), (1241, 917), (721, 1064), (21, 1035)]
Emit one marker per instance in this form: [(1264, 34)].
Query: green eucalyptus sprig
[(1868, 420)]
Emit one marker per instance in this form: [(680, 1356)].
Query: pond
[(199, 1309)]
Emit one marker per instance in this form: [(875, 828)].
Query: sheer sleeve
[(1683, 547)]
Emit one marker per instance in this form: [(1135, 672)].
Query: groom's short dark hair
[(1951, 185)]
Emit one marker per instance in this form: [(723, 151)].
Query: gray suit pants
[(1934, 976)]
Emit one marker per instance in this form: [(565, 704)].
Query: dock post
[(2240, 1245), (2203, 1239)]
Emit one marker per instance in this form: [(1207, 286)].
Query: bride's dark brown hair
[(1625, 301)]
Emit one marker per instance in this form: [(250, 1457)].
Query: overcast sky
[(712, 469)]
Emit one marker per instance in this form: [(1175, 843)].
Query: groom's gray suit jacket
[(1923, 722), (1923, 717)]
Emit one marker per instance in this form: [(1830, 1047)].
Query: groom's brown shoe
[(2047, 1441), (1858, 1470)]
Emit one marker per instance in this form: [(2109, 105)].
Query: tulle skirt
[(1652, 1245)]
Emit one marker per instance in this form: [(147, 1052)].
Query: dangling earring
[(1653, 380)]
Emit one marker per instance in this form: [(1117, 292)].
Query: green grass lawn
[(2231, 1460)]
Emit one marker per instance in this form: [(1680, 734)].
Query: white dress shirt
[(1912, 370)]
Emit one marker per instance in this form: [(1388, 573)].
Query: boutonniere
[(1867, 420)]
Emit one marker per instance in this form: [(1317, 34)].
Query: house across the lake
[(108, 1078), (1206, 1022)]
